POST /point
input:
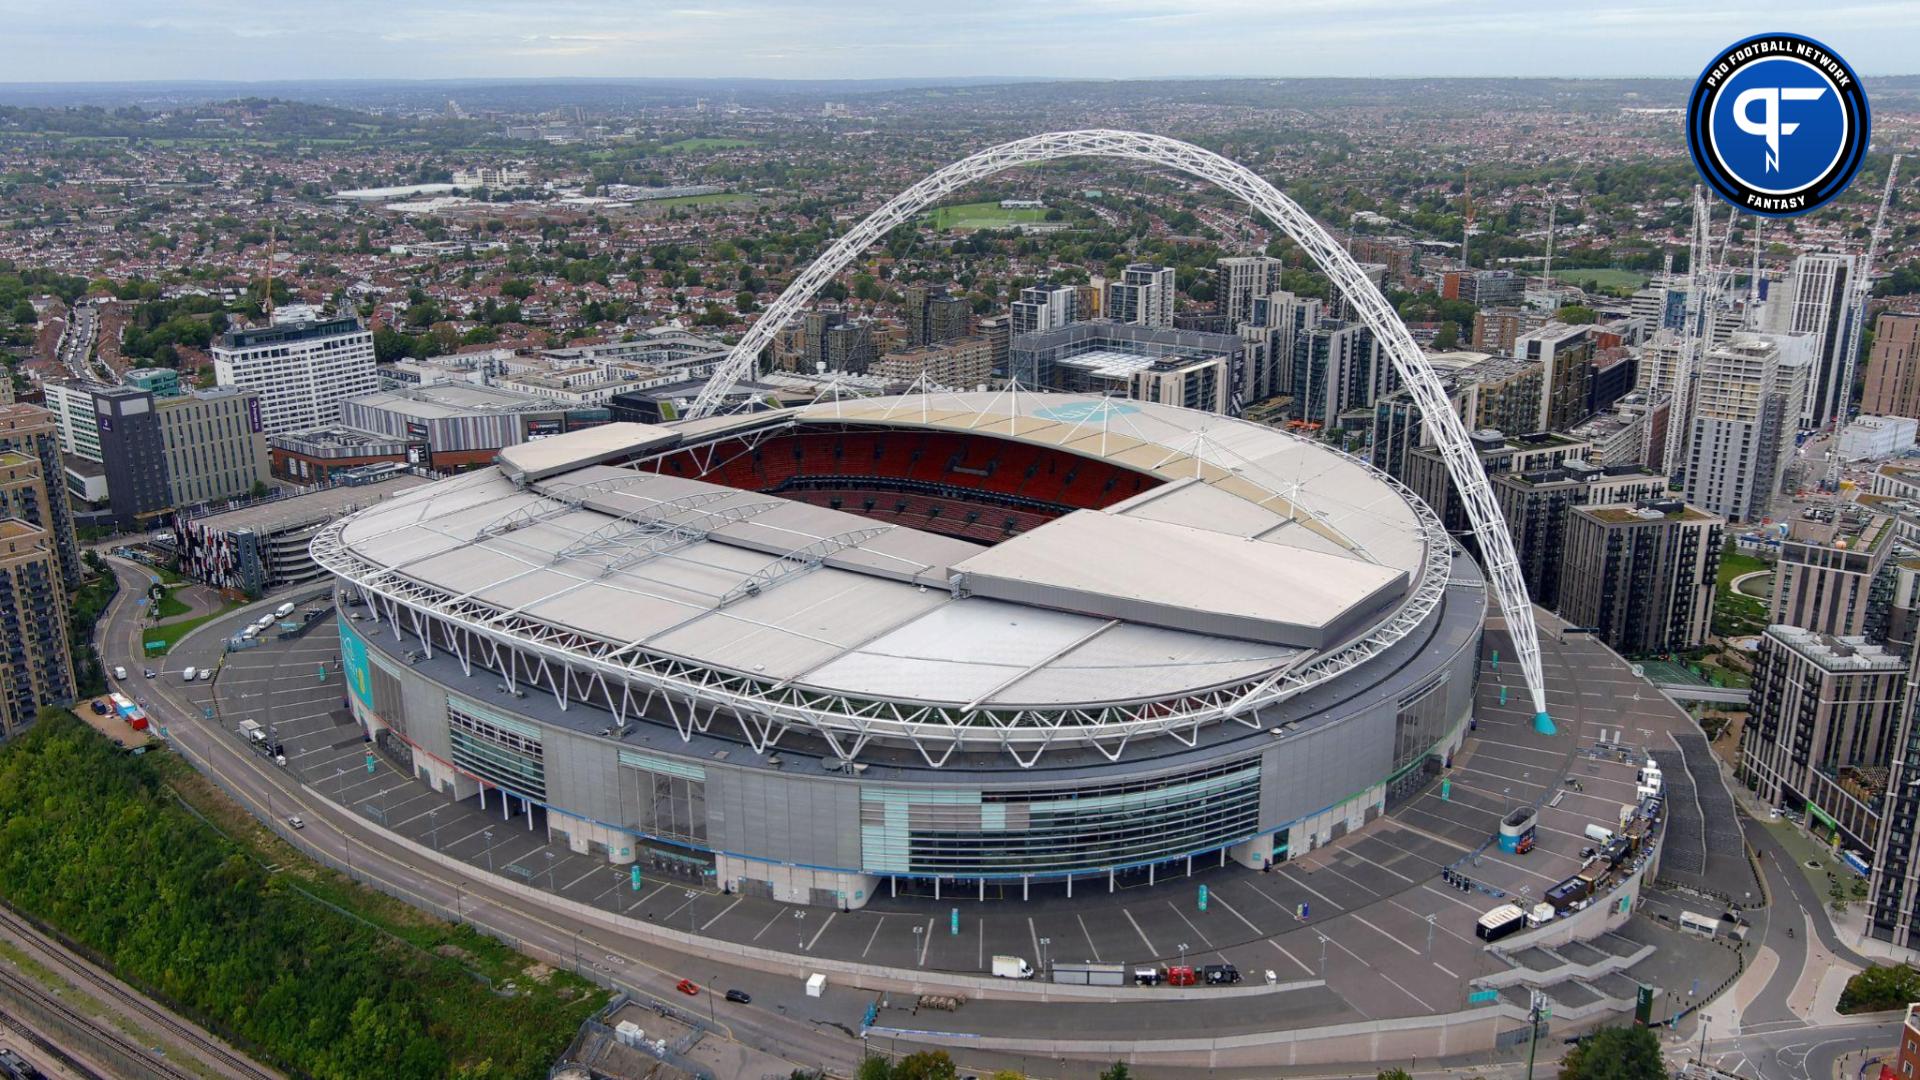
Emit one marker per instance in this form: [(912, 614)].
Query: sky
[(123, 40)]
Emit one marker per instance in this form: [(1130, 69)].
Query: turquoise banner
[(353, 660)]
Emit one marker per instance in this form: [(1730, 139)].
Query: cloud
[(276, 39)]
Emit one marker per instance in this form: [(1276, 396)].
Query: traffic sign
[(1203, 898), (1481, 997)]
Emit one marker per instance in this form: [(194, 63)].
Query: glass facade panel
[(974, 833), (502, 752)]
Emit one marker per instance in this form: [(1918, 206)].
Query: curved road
[(640, 969)]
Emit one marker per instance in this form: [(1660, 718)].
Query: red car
[(686, 987), (1180, 976)]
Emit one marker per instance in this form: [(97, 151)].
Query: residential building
[(31, 431), (1823, 723), (1642, 576), (1565, 355), (1831, 576), (1337, 366), (1043, 307), (1815, 300), (962, 363), (1743, 427), (1484, 288), (1537, 504), (1496, 329), (71, 403), (301, 370), (1239, 280), (1143, 296), (932, 315), (1893, 366), (36, 668), (1130, 360), (1893, 889), (1427, 474), (998, 330)]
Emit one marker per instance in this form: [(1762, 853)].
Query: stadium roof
[(1258, 556)]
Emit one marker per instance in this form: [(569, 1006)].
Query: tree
[(1448, 337), (1116, 1071), (1881, 986), (874, 1067), (1575, 315), (1616, 1053), (1394, 1074), (926, 1065)]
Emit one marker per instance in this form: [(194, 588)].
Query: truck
[(253, 731), (1540, 915), (1011, 967), (1500, 922), (1090, 974)]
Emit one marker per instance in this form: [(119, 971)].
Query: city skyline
[(219, 40)]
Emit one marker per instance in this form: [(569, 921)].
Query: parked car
[(99, 707), (206, 674), (1220, 974), (686, 987), (739, 997)]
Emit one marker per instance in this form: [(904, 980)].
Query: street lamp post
[(550, 886), (433, 823), (1044, 942), (1323, 955), (1430, 935), (488, 833)]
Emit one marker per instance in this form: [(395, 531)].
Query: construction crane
[(1466, 230), (1696, 333), (1856, 321)]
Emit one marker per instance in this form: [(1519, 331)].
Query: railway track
[(157, 1020)]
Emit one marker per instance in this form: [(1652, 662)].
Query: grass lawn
[(1618, 279), (167, 635), (1734, 563), (170, 607), (719, 199), (710, 144), (983, 215), (1736, 614)]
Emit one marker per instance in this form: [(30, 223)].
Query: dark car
[(740, 997), (99, 707), (1220, 974)]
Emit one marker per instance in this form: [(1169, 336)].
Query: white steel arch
[(1450, 434)]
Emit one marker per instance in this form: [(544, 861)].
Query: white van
[(250, 632), (283, 611), (188, 674), (1600, 834), (119, 673)]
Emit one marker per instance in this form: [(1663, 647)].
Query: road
[(641, 969)]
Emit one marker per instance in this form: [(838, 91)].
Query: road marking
[(1034, 935), (1151, 951), (1290, 956), (1363, 922), (926, 939), (871, 937), (1282, 871), (1218, 899), (770, 922), (1354, 851), (1091, 947), (831, 915), (1443, 967), (723, 913), (591, 870)]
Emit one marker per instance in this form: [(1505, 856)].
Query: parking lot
[(1388, 935)]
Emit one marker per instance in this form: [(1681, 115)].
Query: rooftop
[(294, 511), (1838, 654), (1672, 510)]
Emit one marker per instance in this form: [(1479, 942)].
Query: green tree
[(874, 1067), (1881, 986), (1393, 1074), (926, 1065), (1616, 1053), (1448, 336), (1575, 315), (1116, 1071)]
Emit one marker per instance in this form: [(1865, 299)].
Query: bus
[(134, 715)]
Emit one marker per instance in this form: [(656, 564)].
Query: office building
[(1893, 366), (161, 382), (36, 668), (1043, 307), (263, 548), (1484, 288), (216, 448), (1642, 576), (1537, 504), (1143, 296), (31, 431), (301, 370), (963, 363), (1831, 577), (1743, 427), (1815, 300), (134, 452), (933, 316), (71, 403), (1823, 722), (1241, 279)]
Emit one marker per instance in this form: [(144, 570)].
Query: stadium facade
[(966, 644)]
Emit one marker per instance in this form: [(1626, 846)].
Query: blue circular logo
[(1778, 125)]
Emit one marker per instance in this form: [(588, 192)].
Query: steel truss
[(632, 682), (1450, 433)]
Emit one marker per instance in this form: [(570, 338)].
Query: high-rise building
[(998, 330), (71, 403), (1143, 296), (1743, 426), (1814, 300), (36, 668), (216, 445), (301, 370), (1043, 307), (1537, 504), (1484, 288), (849, 347), (1496, 329), (1239, 280), (1823, 724), (31, 431), (1427, 473), (1125, 360), (1832, 577), (1565, 355), (134, 450), (1642, 576), (932, 315), (1337, 366), (1893, 368)]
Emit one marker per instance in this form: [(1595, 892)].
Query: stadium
[(974, 645)]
